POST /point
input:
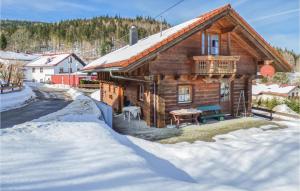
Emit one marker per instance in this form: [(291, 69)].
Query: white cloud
[(275, 15)]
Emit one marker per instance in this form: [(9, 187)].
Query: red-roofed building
[(204, 61)]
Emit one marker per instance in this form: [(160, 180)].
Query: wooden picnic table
[(185, 115)]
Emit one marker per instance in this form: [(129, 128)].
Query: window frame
[(190, 87), (207, 42), (226, 97), (141, 92)]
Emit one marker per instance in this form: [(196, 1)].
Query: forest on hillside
[(87, 37)]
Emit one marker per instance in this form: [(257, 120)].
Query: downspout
[(140, 80), (154, 103)]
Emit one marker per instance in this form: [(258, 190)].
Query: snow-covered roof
[(272, 88), (128, 51), (48, 60), (8, 55)]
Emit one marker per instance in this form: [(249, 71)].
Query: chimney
[(133, 35)]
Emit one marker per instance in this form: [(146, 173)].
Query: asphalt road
[(47, 101)]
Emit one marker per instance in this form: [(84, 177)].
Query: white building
[(41, 69), (269, 91)]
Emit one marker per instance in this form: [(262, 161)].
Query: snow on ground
[(96, 95), (251, 159), (56, 86), (15, 99), (283, 108), (72, 150)]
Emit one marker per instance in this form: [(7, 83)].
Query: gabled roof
[(128, 55), (50, 60)]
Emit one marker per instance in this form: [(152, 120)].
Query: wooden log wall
[(110, 94), (238, 85), (203, 94)]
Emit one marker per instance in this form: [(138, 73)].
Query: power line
[(160, 14), (169, 8)]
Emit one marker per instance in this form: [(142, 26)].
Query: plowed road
[(47, 101)]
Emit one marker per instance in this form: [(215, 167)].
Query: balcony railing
[(215, 65)]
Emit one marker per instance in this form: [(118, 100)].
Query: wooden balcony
[(215, 65)]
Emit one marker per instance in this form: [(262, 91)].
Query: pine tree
[(3, 41)]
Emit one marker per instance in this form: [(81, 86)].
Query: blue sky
[(276, 20)]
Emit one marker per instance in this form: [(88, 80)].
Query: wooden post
[(229, 43)]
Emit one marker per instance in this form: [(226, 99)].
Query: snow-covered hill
[(72, 150)]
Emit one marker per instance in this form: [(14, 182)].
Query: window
[(184, 94), (33, 70), (61, 70), (212, 44), (41, 70), (70, 59), (41, 80), (70, 70), (224, 91), (141, 92), (215, 44)]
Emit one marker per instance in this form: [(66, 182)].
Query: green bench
[(209, 112)]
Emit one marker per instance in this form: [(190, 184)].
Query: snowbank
[(16, 99), (96, 95), (253, 159), (284, 109), (72, 150)]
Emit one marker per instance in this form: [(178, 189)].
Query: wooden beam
[(229, 43), (258, 42), (245, 45), (228, 29)]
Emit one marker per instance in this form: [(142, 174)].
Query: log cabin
[(207, 60)]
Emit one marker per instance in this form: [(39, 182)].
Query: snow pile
[(283, 108), (96, 95), (16, 99), (72, 150), (252, 159)]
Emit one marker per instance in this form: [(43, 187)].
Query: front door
[(225, 96)]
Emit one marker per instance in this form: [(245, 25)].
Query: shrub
[(294, 104)]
